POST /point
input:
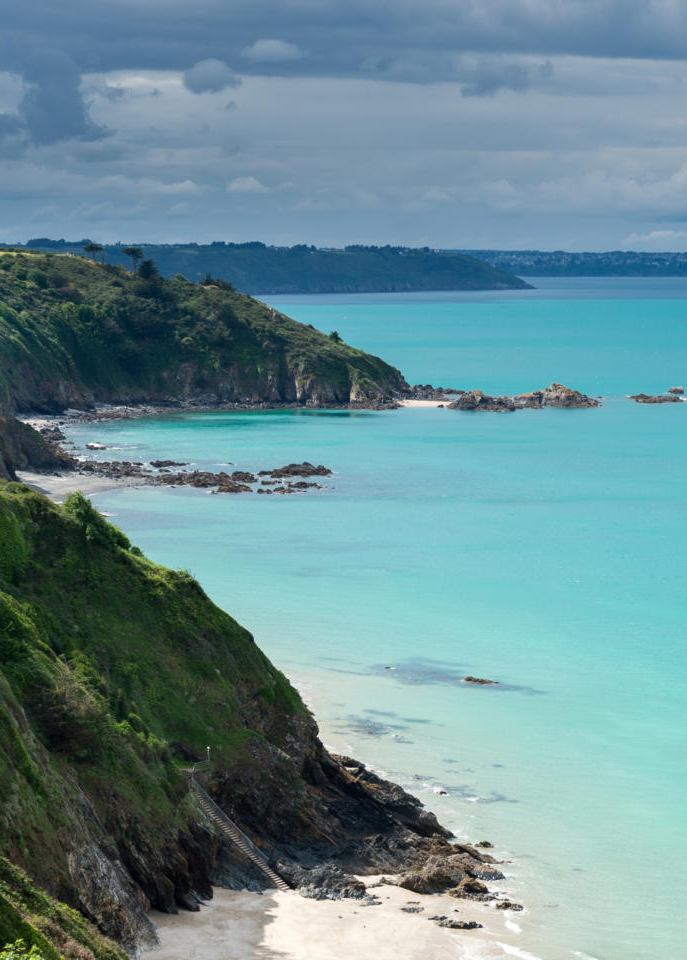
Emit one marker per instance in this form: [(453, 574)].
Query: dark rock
[(555, 395), (476, 400), (304, 469), (459, 924), (678, 391), (412, 909), (660, 398), (468, 888), (508, 905), (480, 681), (484, 843), (167, 463), (324, 882), (242, 476)]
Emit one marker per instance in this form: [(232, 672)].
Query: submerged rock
[(480, 680)]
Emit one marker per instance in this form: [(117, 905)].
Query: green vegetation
[(258, 268), (111, 669), (35, 926), (73, 331)]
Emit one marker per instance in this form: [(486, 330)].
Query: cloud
[(658, 239), (52, 107), (272, 51), (490, 77), (246, 185), (210, 76)]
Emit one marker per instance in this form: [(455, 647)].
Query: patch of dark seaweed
[(423, 672)]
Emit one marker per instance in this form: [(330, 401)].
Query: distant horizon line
[(258, 244)]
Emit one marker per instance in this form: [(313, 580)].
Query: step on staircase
[(237, 836)]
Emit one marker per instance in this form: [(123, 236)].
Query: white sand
[(286, 926), (57, 486), (424, 403)]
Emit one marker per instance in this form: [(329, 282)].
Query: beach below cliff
[(285, 926)]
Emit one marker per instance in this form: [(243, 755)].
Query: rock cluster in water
[(670, 397), (555, 395), (240, 481)]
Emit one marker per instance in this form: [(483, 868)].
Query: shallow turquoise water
[(543, 549)]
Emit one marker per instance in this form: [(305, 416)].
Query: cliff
[(115, 674), (258, 268), (22, 447), (74, 333)]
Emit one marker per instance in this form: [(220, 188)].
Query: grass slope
[(109, 666), (56, 931), (73, 331)]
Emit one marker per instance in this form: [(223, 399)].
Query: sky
[(469, 124)]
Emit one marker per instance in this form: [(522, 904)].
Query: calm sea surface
[(543, 549)]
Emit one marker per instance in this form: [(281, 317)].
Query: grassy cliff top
[(74, 331)]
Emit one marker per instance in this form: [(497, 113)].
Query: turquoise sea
[(543, 549)]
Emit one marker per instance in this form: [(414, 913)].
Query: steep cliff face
[(73, 333), (115, 674), (21, 447)]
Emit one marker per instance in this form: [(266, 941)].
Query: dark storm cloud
[(52, 107), (336, 37)]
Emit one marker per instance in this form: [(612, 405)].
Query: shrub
[(39, 278), (93, 524)]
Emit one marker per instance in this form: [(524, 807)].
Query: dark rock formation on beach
[(555, 395), (23, 448)]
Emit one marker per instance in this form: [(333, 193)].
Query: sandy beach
[(286, 926), (59, 485), (424, 403)]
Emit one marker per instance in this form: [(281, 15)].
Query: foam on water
[(543, 549)]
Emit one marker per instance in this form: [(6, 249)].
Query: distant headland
[(257, 268)]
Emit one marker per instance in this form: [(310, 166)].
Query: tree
[(334, 335), (94, 248), (148, 270), (135, 253)]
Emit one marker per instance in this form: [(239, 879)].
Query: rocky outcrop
[(677, 390), (23, 448), (657, 398), (555, 395), (476, 400)]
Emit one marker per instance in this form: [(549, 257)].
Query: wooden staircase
[(237, 836)]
